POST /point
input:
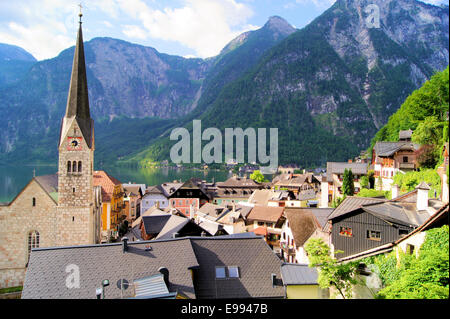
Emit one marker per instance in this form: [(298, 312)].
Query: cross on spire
[(80, 14)]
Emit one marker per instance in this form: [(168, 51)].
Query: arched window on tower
[(33, 242), (34, 201), (79, 167), (74, 166), (69, 167)]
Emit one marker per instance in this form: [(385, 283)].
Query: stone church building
[(62, 209)]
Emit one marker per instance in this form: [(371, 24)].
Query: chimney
[(422, 196), (174, 235), (203, 234), (157, 204), (125, 244), (395, 191), (165, 272), (233, 207)]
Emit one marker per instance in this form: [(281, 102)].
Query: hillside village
[(82, 233)]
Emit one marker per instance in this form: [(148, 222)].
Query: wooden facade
[(360, 231)]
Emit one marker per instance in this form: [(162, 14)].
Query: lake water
[(14, 179)]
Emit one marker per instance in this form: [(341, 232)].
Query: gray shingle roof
[(46, 275), (256, 262), (386, 149), (153, 224), (352, 203), (339, 168), (298, 274)]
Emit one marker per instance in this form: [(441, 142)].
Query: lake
[(13, 179)]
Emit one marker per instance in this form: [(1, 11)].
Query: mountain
[(15, 62), (330, 86), (124, 79), (239, 56), (127, 82)]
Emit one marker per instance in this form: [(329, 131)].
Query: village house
[(360, 224), (216, 218), (190, 195), (62, 209), (192, 267), (288, 169), (300, 225), (113, 212), (267, 222), (132, 200), (166, 225), (235, 190), (388, 158), (331, 184), (300, 282), (158, 195)]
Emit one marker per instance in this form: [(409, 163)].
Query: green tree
[(258, 177), (364, 182), (424, 277), (342, 276), (348, 186)]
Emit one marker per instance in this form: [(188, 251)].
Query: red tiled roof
[(107, 182)]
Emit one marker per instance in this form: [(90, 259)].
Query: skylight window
[(220, 273)]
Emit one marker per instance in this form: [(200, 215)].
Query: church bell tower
[(75, 212)]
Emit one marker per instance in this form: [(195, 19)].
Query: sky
[(189, 28)]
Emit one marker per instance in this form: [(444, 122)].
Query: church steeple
[(78, 100)]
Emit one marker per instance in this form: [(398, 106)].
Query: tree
[(258, 177), (364, 182), (342, 276), (348, 186), (424, 277), (428, 156)]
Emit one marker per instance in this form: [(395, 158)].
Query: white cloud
[(134, 31), (321, 4), (205, 26)]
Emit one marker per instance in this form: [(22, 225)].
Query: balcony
[(288, 249)]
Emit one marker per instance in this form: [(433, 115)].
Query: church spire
[(77, 107), (78, 101)]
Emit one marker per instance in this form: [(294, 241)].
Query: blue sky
[(191, 28)]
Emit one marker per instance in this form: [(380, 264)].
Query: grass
[(10, 289)]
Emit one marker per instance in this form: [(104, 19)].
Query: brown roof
[(107, 182), (303, 223), (240, 182), (267, 214)]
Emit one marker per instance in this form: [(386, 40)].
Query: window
[(79, 166), (373, 235), (74, 166), (220, 272), (227, 272), (260, 223), (346, 231), (405, 159), (233, 272), (69, 167), (33, 242), (34, 201)]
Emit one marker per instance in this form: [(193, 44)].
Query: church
[(62, 209)]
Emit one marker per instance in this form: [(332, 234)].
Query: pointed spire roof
[(78, 99)]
